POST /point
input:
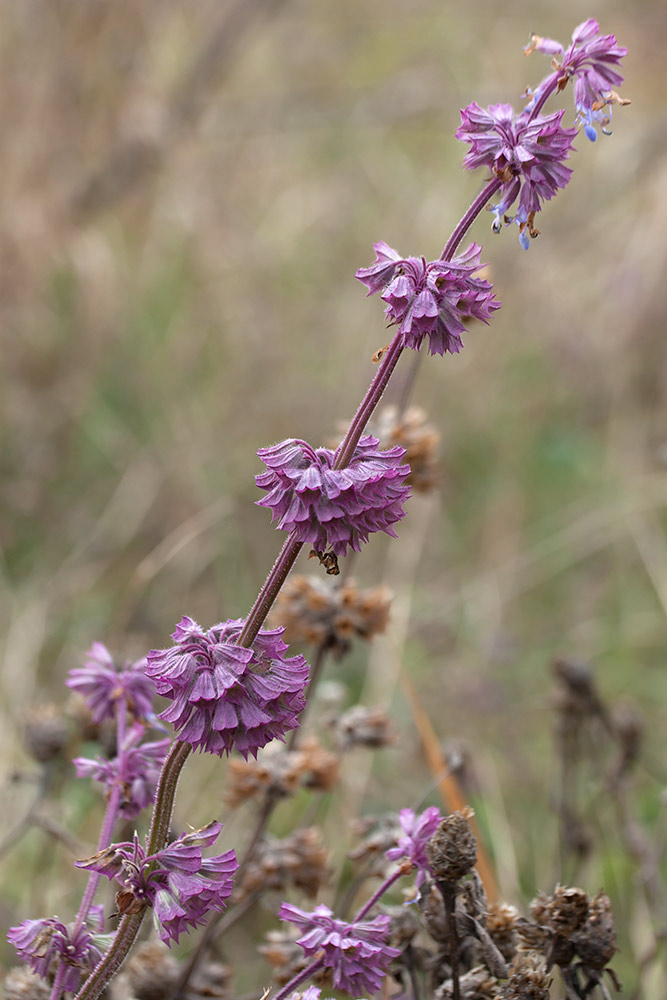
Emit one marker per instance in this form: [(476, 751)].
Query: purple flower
[(226, 696), (334, 507), (136, 770), (178, 883), (433, 299), (525, 153), (45, 943), (590, 62), (357, 953), (417, 830), (103, 684), (310, 993)]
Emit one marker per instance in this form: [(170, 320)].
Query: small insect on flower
[(327, 559), (379, 354)]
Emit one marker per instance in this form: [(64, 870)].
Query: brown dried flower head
[(276, 771), (321, 767), (299, 860), (628, 728), (420, 440), (46, 733), (150, 973), (564, 911), (360, 726), (595, 941), (501, 920), (452, 850), (528, 978), (23, 984), (404, 927), (315, 611), (378, 834), (213, 979)]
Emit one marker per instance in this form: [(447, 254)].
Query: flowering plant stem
[(179, 752), (302, 976), (467, 220), (526, 157), (448, 891), (102, 974), (318, 963), (157, 838)]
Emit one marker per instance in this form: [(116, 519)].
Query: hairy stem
[(157, 838), (123, 940), (267, 595), (164, 796), (345, 449), (268, 806), (299, 978), (370, 903), (469, 217), (110, 817)]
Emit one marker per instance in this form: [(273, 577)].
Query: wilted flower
[(411, 431), (595, 940), (46, 943), (361, 726), (433, 299), (357, 954), (45, 735), (299, 860), (526, 153), (103, 684), (528, 978), (329, 507), (452, 850), (21, 983), (314, 611), (136, 770), (179, 884), (417, 831), (225, 696)]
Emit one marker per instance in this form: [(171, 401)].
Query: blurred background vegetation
[(188, 188)]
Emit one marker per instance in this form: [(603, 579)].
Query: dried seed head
[(23, 984), (528, 979), (379, 834), (321, 767), (405, 925), (363, 727), (628, 727), (299, 860), (578, 695), (565, 910), (276, 771), (501, 921), (532, 937), (315, 611), (45, 735), (212, 980), (452, 850), (420, 440), (151, 972), (595, 941)]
